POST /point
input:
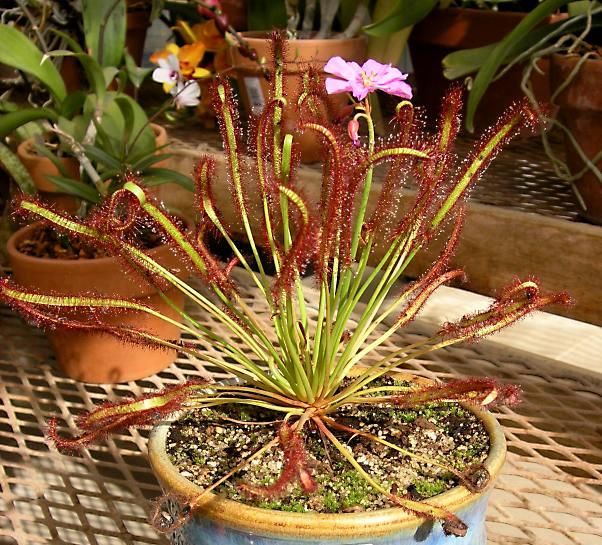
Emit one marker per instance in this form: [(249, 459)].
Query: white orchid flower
[(168, 73)]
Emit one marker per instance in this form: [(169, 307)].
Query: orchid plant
[(100, 125), (306, 375)]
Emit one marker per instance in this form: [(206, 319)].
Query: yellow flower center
[(367, 78)]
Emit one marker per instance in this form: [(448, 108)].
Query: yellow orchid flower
[(190, 57), (170, 49), (206, 32)]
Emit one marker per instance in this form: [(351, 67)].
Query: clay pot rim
[(264, 35), (369, 524), (565, 58), (24, 149), (13, 252), (158, 130)]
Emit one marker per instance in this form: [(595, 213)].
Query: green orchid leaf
[(104, 30), (159, 176), (138, 134), (94, 72), (73, 104), (102, 157), (108, 174), (123, 131), (104, 139), (581, 7), (127, 111), (466, 61), (109, 73), (11, 121), (75, 188), (135, 73), (497, 57), (73, 45), (17, 51), (153, 159), (406, 13), (15, 168)]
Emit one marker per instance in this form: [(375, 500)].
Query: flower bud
[(353, 128)]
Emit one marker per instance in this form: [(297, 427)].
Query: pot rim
[(572, 58), (24, 147), (264, 35), (367, 524), (14, 253)]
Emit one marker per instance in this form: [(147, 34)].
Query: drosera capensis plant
[(307, 374)]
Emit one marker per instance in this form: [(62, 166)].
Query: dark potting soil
[(48, 243), (207, 443)]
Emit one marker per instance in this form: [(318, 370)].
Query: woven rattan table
[(550, 491)]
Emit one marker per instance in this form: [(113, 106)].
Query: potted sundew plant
[(317, 440)]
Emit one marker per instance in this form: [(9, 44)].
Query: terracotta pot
[(161, 140), (300, 54), (447, 30), (138, 21), (220, 521), (41, 168), (581, 111), (165, 192), (95, 357)]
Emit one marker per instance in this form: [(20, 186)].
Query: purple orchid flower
[(362, 80)]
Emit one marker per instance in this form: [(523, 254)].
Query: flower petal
[(172, 49), (191, 55), (200, 73), (343, 69), (360, 91), (169, 87), (173, 63), (397, 88), (334, 86), (187, 94), (159, 54), (393, 74), (161, 75), (378, 69)]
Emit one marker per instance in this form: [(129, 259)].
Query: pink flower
[(361, 80)]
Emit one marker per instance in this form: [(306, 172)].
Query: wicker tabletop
[(549, 493)]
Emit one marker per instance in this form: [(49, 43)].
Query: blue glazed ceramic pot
[(219, 521)]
